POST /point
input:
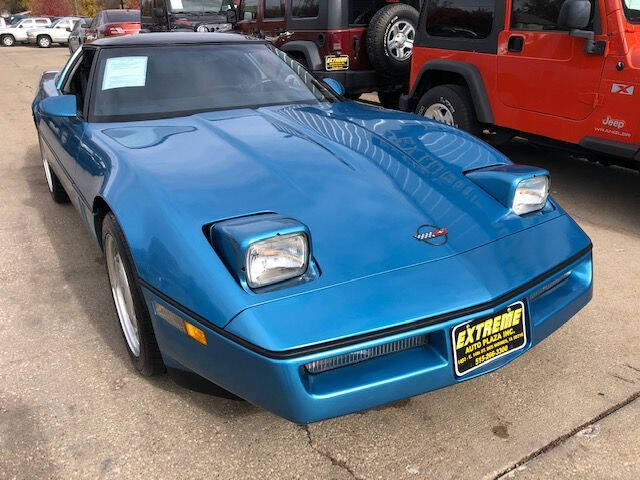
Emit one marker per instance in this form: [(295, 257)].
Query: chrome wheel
[(399, 41), (7, 40), (47, 173), (122, 297), (440, 113), (44, 42)]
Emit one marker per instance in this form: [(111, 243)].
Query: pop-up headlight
[(277, 259), (264, 250), (521, 188), (531, 195)]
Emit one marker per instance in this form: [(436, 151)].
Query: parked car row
[(71, 31)]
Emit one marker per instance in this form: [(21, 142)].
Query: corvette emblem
[(432, 235)]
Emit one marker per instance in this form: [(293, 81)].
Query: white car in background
[(57, 32), (18, 32)]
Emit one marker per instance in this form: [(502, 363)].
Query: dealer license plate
[(336, 62), (485, 339)]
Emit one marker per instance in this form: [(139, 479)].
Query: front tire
[(133, 315), (43, 41), (8, 40), (451, 105)]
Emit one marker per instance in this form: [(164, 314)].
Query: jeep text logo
[(612, 122)]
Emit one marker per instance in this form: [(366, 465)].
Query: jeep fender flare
[(472, 77), (308, 49)]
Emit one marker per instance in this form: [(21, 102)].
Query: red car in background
[(113, 23)]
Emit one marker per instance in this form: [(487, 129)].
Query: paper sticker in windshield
[(176, 5), (121, 72)]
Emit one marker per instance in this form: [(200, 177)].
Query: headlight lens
[(531, 195), (277, 259)]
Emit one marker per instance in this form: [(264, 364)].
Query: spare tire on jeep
[(390, 37)]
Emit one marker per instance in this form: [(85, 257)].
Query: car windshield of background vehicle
[(171, 81), (123, 16), (538, 15), (200, 6), (305, 8), (460, 18), (632, 10)]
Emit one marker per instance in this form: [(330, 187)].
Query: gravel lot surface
[(72, 407)]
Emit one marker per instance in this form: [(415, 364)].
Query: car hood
[(362, 179)]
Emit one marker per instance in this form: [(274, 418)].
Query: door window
[(539, 15), (78, 79), (274, 9), (42, 21), (471, 19), (305, 8), (249, 9)]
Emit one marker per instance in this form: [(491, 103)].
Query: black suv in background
[(365, 44), (181, 15)]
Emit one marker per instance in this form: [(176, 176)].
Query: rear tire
[(452, 105), (390, 36), (134, 319), (43, 41), (7, 40)]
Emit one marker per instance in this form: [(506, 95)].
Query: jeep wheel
[(8, 40), (43, 41), (390, 38), (451, 105)]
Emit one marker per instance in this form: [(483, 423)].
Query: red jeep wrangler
[(546, 69), (364, 44)]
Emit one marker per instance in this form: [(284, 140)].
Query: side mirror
[(335, 85), (574, 14), (60, 106), (158, 12), (232, 16), (68, 29)]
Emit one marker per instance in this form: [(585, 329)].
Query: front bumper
[(279, 382)]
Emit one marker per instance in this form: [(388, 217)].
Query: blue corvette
[(309, 254)]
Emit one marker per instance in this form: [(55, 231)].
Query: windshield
[(172, 81), (632, 10), (56, 23), (200, 6)]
